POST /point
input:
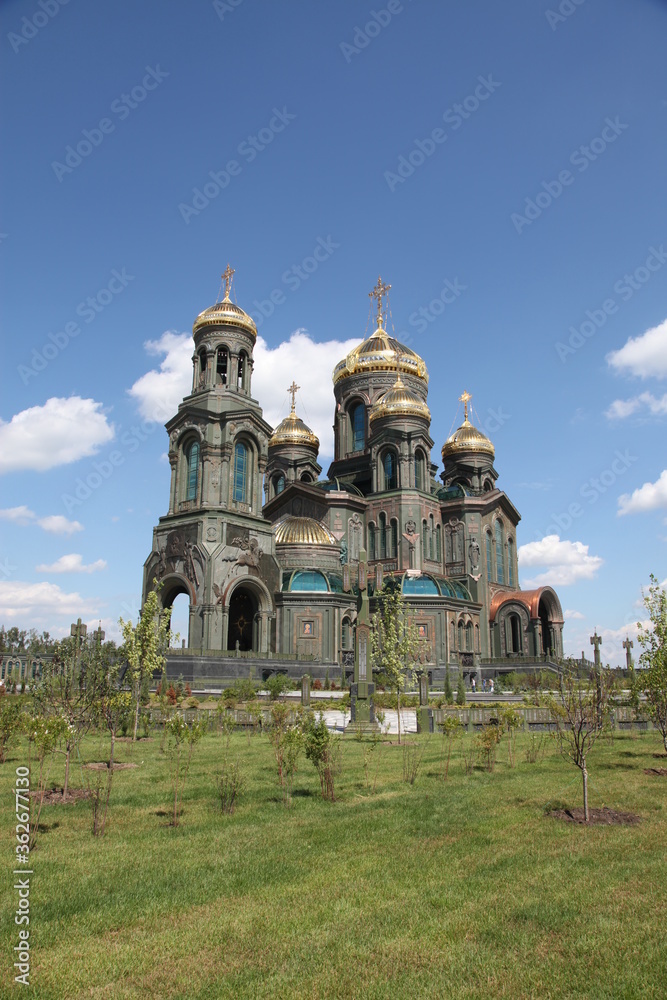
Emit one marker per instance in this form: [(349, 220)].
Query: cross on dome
[(465, 398), (380, 291), (226, 276), (293, 389)]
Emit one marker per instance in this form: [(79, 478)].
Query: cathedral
[(267, 551)]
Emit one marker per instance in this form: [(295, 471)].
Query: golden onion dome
[(399, 401), (379, 354), (292, 430), (294, 530), (467, 438), (225, 313)]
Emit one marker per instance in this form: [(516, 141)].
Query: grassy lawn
[(464, 888)]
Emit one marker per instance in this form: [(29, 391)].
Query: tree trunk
[(449, 754), (109, 780), (136, 714), (398, 712), (68, 751), (178, 765), (584, 775)]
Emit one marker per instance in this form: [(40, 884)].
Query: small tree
[(287, 743), (449, 694), (182, 738), (396, 647), (145, 644), (460, 690), (511, 721), (43, 736), (652, 679), (452, 729), (577, 712), (487, 740), (323, 751)]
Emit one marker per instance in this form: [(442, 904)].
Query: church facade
[(267, 551)]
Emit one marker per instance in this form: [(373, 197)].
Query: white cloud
[(72, 563), (611, 650), (39, 603), (158, 393), (58, 524), (650, 496), (621, 408), (57, 433), (645, 356), (569, 614), (55, 524), (18, 515), (567, 562)]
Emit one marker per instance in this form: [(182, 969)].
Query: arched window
[(477, 645), (346, 634), (510, 562), (500, 553), (240, 480), (424, 539), (461, 633), (203, 361), (243, 361), (221, 366), (489, 556), (394, 537), (438, 543), (192, 460), (469, 646), (382, 528), (371, 541), (306, 477), (431, 536), (420, 471), (358, 426), (279, 484), (389, 468)]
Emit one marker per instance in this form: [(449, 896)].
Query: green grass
[(464, 888)]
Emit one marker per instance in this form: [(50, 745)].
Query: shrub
[(317, 684), (172, 696), (323, 751), (413, 755)]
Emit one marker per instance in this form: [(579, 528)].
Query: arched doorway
[(176, 596), (515, 634), (545, 622), (242, 627)]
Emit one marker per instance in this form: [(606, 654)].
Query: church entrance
[(242, 629)]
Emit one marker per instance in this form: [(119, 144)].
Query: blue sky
[(514, 151)]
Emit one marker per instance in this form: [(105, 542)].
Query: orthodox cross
[(627, 646), (226, 276), (78, 631), (98, 635), (597, 642), (465, 398), (380, 291), (293, 389)]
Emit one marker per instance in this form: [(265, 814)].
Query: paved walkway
[(334, 720)]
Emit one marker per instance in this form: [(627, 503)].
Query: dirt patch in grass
[(660, 771), (660, 756), (54, 796), (598, 817), (102, 765)]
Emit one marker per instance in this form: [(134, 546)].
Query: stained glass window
[(389, 465), (358, 420), (240, 471), (500, 554), (193, 471), (510, 562)]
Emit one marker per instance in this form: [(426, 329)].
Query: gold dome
[(467, 438), (399, 401), (292, 430), (295, 530), (378, 354), (225, 313)]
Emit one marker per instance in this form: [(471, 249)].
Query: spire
[(380, 291), (465, 398)]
